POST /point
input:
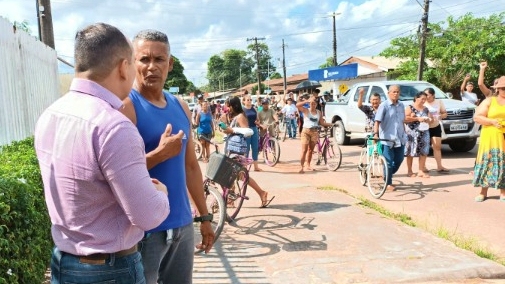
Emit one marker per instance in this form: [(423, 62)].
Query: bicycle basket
[(377, 146), (222, 169)]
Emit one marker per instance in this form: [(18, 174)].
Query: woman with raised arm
[(309, 135), (489, 168), (480, 81)]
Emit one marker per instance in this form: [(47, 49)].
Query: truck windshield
[(409, 90)]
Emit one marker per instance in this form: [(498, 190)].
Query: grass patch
[(329, 187), (218, 137), (469, 244), (465, 243), (404, 218)]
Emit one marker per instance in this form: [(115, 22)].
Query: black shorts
[(436, 131)]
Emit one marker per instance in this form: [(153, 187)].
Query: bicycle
[(270, 147), (233, 177), (372, 166), (197, 143), (327, 151)]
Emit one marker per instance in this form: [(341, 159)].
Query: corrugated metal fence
[(28, 82)]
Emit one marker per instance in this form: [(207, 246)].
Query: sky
[(199, 29)]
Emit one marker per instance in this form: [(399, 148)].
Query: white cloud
[(199, 29)]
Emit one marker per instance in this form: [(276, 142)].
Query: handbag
[(236, 144)]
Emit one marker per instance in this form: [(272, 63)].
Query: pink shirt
[(92, 159)]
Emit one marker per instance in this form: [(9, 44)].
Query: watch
[(203, 218)]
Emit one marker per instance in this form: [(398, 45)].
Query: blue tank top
[(151, 123), (251, 115), (205, 127)]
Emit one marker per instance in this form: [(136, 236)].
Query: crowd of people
[(118, 192)]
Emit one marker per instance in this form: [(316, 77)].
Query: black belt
[(100, 258)]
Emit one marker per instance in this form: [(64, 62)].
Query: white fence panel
[(28, 82)]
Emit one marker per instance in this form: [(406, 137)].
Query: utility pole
[(334, 40), (257, 61), (284, 66), (44, 16), (424, 32)]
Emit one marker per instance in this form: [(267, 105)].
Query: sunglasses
[(247, 100)]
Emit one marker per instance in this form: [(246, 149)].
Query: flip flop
[(480, 198), (443, 171), (265, 203)]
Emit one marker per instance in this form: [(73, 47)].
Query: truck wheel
[(339, 133), (462, 145)]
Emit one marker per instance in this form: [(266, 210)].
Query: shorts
[(436, 131), (206, 135), (309, 136)]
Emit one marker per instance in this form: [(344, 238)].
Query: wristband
[(203, 218)]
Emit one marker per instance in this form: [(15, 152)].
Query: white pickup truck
[(458, 129)]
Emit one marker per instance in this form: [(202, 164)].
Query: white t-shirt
[(289, 110), (469, 97)]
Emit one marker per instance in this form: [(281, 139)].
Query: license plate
[(458, 127)]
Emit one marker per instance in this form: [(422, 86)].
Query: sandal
[(480, 198), (265, 202), (443, 171)]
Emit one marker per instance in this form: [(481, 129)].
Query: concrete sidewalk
[(310, 235)]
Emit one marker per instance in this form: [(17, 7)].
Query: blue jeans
[(394, 158), (291, 127), (66, 268), (253, 143), (168, 258)]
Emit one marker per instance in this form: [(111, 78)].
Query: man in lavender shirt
[(98, 191)]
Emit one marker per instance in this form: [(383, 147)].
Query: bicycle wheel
[(282, 126), (285, 133), (271, 152), (236, 195), (332, 157), (377, 173), (215, 206), (198, 149), (362, 165)]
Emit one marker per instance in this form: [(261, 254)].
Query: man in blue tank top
[(167, 251)]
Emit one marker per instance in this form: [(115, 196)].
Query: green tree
[(176, 77), (230, 69), (453, 49), (265, 60), (275, 75), (328, 63)]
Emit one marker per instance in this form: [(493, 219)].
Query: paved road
[(311, 235)]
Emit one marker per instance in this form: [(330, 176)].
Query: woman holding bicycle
[(238, 119), (312, 119)]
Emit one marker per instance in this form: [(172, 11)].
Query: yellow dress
[(490, 161)]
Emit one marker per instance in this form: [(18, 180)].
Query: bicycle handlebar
[(211, 142)]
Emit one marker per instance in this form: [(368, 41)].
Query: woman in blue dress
[(204, 123)]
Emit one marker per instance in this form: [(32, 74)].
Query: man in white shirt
[(290, 111), (466, 91)]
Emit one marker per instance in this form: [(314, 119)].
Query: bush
[(25, 240)]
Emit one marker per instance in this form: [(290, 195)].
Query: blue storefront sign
[(343, 72)]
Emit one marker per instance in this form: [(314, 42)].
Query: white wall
[(28, 82)]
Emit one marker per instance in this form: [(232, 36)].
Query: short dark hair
[(153, 35), (99, 48), (430, 90), (418, 95)]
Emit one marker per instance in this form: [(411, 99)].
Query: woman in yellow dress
[(490, 163)]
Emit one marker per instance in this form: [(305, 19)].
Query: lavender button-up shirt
[(92, 159)]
